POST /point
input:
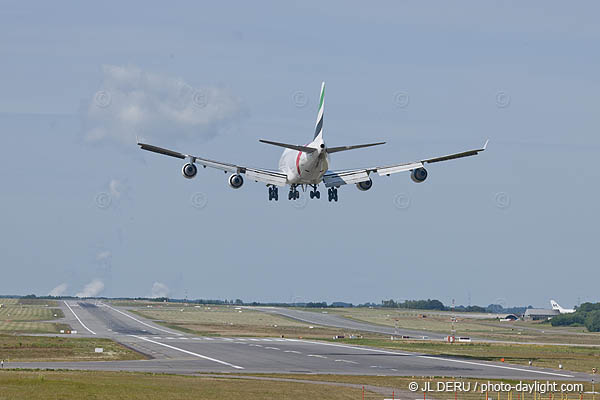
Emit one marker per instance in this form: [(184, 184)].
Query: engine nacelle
[(365, 185), (236, 181), (189, 171), (418, 175)]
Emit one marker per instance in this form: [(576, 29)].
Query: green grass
[(34, 385), (32, 327), (38, 302), (43, 348), (550, 356), (29, 313), (229, 321)]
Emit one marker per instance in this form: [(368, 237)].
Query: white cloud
[(132, 103), (159, 290), (59, 290), (91, 289)]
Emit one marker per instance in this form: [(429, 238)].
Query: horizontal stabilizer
[(290, 146), (356, 146)]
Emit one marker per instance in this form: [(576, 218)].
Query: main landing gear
[(332, 194), (315, 194), (294, 194), (273, 193)]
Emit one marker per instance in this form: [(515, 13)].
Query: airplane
[(307, 166), (557, 307)]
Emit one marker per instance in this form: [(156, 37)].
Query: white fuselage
[(305, 168)]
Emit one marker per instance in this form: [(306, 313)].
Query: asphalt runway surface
[(176, 352), (326, 319)]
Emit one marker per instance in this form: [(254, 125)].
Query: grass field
[(520, 331), (572, 358), (25, 316), (44, 385), (223, 320), (32, 327), (42, 348), (29, 313), (127, 385)]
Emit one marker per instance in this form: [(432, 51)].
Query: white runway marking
[(141, 322), (82, 324), (347, 361), (435, 358), (273, 348), (189, 352), (316, 355), (208, 338), (292, 351)]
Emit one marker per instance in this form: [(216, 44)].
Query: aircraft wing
[(260, 175), (338, 178)]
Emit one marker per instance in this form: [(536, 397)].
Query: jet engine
[(365, 185), (189, 171), (418, 175), (236, 181)]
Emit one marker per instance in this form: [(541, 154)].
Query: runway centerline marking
[(346, 361), (81, 322), (189, 352), (141, 322), (273, 348), (435, 358)]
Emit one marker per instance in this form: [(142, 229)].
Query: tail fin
[(319, 126), (555, 305)]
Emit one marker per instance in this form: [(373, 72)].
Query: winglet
[(485, 144)]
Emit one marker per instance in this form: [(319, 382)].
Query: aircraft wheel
[(318, 194)]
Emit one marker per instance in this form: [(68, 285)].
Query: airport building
[(539, 313)]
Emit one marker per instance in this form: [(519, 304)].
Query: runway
[(175, 352), (319, 318)]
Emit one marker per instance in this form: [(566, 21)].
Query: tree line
[(587, 314)]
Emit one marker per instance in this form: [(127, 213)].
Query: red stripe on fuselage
[(298, 163)]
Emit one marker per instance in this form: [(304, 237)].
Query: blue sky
[(83, 206)]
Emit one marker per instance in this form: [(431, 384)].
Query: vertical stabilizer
[(319, 126)]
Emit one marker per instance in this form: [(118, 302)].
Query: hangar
[(539, 313)]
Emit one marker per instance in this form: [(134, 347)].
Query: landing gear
[(273, 193), (315, 193), (294, 194), (332, 194)]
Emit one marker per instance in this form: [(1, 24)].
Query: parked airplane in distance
[(307, 166), (557, 307)]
